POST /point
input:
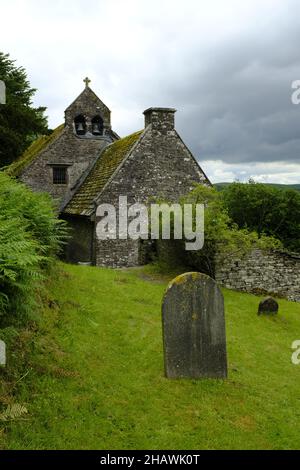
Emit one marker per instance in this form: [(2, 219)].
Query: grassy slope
[(96, 374)]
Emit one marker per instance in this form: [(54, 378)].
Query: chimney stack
[(162, 119)]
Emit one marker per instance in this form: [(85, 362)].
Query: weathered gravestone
[(268, 306), (194, 328)]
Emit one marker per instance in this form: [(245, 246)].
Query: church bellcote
[(88, 117)]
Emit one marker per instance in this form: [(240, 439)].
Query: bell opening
[(80, 125), (97, 126)]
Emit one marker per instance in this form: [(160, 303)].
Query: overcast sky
[(226, 66)]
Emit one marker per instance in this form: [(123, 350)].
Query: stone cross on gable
[(87, 81)]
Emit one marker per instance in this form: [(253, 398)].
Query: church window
[(97, 125), (80, 124), (59, 175)]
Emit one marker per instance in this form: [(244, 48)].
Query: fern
[(30, 237), (13, 412)]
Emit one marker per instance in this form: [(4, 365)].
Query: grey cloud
[(235, 105), (232, 88)]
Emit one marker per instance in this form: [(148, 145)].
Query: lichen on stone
[(182, 278)]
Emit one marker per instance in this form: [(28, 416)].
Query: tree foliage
[(266, 210), (20, 122), (221, 235)]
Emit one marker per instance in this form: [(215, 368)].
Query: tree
[(20, 122), (266, 210), (221, 235)]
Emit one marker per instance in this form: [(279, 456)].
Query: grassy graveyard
[(91, 376)]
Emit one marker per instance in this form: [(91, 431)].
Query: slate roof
[(108, 162), (32, 152)]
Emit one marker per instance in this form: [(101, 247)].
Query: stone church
[(84, 163)]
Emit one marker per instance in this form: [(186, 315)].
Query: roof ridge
[(142, 133), (101, 173), (194, 158), (33, 151)]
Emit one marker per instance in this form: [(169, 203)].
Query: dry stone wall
[(273, 272)]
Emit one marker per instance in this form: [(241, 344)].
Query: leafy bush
[(221, 235), (30, 238)]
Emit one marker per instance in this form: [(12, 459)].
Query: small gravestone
[(194, 328), (268, 306)]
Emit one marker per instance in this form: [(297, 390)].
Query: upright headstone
[(194, 328), (268, 306)]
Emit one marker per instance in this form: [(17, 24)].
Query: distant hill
[(221, 186)]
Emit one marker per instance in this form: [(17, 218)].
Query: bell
[(96, 129), (80, 127)]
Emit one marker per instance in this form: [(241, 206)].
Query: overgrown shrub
[(221, 235), (30, 237)]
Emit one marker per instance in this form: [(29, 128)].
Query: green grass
[(96, 380)]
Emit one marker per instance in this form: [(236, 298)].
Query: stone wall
[(117, 253), (271, 272), (67, 149), (159, 166)]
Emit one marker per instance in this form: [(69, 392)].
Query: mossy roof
[(16, 168), (109, 160)]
